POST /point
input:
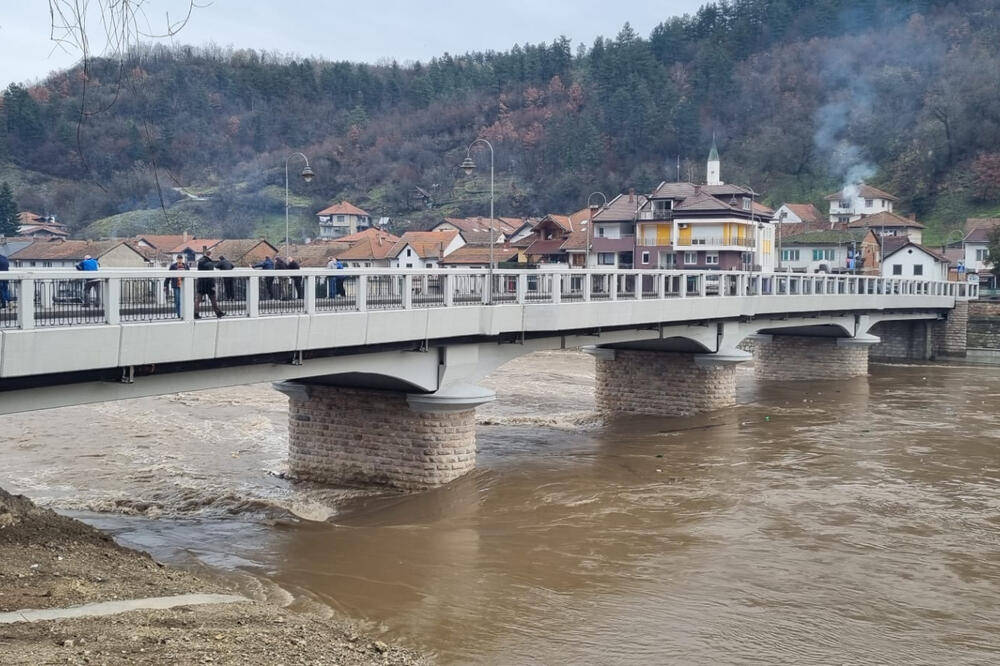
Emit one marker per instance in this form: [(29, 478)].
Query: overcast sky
[(359, 30)]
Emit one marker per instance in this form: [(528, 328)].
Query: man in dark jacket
[(297, 281), (267, 265), (282, 287), (4, 294), (206, 286), (228, 284)]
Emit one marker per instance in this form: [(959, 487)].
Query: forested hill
[(801, 94)]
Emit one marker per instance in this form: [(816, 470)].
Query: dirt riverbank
[(48, 561)]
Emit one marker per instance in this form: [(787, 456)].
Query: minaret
[(713, 165)]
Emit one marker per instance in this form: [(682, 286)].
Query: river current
[(847, 522)]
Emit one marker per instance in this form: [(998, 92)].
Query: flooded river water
[(851, 522)]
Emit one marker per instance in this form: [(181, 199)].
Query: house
[(423, 249), (805, 214), (156, 247), (855, 201), (342, 219), (711, 226), (612, 242), (479, 257), (890, 224), (560, 239), (831, 251), (524, 230), (316, 254), (976, 248), (39, 226), (243, 252), (11, 244), (59, 253), (902, 257), (368, 249), (477, 230)]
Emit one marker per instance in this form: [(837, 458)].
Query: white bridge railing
[(65, 298)]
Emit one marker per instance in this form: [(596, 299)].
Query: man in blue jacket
[(89, 286), (267, 265)]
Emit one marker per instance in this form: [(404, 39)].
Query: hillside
[(802, 96)]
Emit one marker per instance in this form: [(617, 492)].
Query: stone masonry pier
[(349, 436), (661, 383), (799, 357)]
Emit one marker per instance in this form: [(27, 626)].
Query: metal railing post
[(587, 285), (556, 288), (682, 286), (187, 297), (407, 292), (661, 285), (448, 289), (612, 282), (362, 297)]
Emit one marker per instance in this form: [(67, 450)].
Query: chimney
[(185, 237), (912, 216), (631, 194)]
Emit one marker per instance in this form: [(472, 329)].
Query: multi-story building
[(854, 201), (342, 219), (890, 224), (710, 226)]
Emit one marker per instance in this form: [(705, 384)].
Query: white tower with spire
[(712, 177)]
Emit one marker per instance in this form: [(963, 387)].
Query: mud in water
[(818, 522)]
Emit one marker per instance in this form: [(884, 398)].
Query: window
[(869, 203), (428, 265), (690, 258), (897, 269), (667, 260), (789, 255), (845, 204), (711, 258), (600, 232), (409, 265), (645, 257), (746, 203), (981, 254), (918, 269), (606, 258), (340, 218), (823, 255), (368, 264), (409, 252)]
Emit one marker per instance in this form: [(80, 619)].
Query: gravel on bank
[(51, 561)]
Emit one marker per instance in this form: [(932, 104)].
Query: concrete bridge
[(382, 374)]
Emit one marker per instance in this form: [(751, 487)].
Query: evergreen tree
[(8, 211)]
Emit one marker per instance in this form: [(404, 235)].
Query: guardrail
[(69, 298)]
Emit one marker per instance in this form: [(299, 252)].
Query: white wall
[(971, 262), (909, 257)]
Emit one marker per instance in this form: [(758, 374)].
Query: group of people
[(205, 287), (4, 294), (280, 264)]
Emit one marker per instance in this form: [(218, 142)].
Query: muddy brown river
[(822, 522)]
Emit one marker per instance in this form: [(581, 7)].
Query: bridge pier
[(664, 383), (353, 436), (800, 357)]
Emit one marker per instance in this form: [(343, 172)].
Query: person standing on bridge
[(4, 294), (206, 286), (89, 286), (297, 281), (174, 284), (228, 284), (267, 265), (282, 293)]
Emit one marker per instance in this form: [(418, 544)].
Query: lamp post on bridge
[(468, 166), (307, 175), (590, 225)]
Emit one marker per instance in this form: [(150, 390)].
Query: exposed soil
[(50, 561)]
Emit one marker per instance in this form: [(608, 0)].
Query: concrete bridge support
[(664, 383), (923, 340), (799, 357), (352, 436)]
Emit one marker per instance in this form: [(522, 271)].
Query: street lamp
[(468, 166), (307, 175), (590, 225)]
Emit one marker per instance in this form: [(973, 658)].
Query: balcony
[(665, 214), (715, 244)]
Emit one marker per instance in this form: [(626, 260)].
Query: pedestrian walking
[(206, 286), (173, 284)]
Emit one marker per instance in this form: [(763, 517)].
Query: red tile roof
[(342, 208), (479, 255), (371, 233), (865, 191), (885, 219), (805, 212), (425, 243)]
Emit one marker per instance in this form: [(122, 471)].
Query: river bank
[(48, 561)]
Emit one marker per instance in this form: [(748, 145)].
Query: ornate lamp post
[(590, 225), (468, 166), (307, 175)]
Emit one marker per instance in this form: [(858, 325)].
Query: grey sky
[(338, 30)]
